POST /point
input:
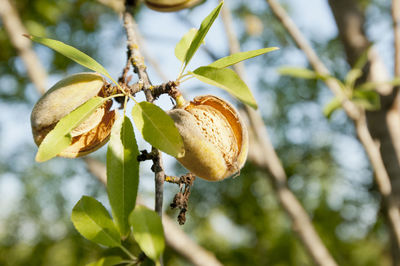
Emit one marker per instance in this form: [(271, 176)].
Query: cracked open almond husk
[(170, 5), (215, 137), (64, 97)]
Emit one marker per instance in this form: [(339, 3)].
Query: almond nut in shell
[(170, 5), (214, 136), (65, 96)]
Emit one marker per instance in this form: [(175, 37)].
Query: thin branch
[(371, 147), (396, 31), (137, 61), (15, 29), (269, 161), (174, 235), (313, 58)]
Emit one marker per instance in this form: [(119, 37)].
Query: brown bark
[(262, 154), (350, 20), (384, 124)]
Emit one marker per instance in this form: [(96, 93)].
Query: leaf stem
[(127, 252), (125, 102), (182, 68), (181, 81)]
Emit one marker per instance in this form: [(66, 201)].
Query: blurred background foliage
[(239, 219)]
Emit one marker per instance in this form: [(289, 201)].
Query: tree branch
[(15, 29), (262, 153), (371, 147), (396, 31), (137, 60), (175, 237)]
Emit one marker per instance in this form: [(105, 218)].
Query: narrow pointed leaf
[(122, 172), (331, 107), (73, 54), (373, 84), (93, 222), (158, 128), (201, 33), (228, 80), (183, 45), (236, 58), (106, 261), (298, 72), (351, 77), (59, 138), (148, 231), (367, 99)]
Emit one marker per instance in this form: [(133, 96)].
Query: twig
[(137, 60), (174, 235), (15, 29), (351, 110), (270, 162), (396, 31), (372, 149)]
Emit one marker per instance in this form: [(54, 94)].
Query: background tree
[(239, 220)]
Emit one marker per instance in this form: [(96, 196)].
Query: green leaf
[(93, 221), (236, 58), (351, 77), (201, 33), (363, 59), (59, 138), (158, 128), (228, 80), (73, 54), (183, 45), (106, 261), (298, 72), (148, 231), (367, 99), (373, 84), (332, 106), (122, 172)]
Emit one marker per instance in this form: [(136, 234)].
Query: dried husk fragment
[(64, 97), (214, 136)]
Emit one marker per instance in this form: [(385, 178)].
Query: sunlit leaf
[(228, 80), (298, 72), (201, 33), (373, 84), (332, 106), (122, 172), (93, 221), (367, 99), (236, 58), (73, 54), (352, 76), (59, 138), (183, 45), (148, 231), (106, 261), (158, 128)]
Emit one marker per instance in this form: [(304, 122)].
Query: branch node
[(145, 155)]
